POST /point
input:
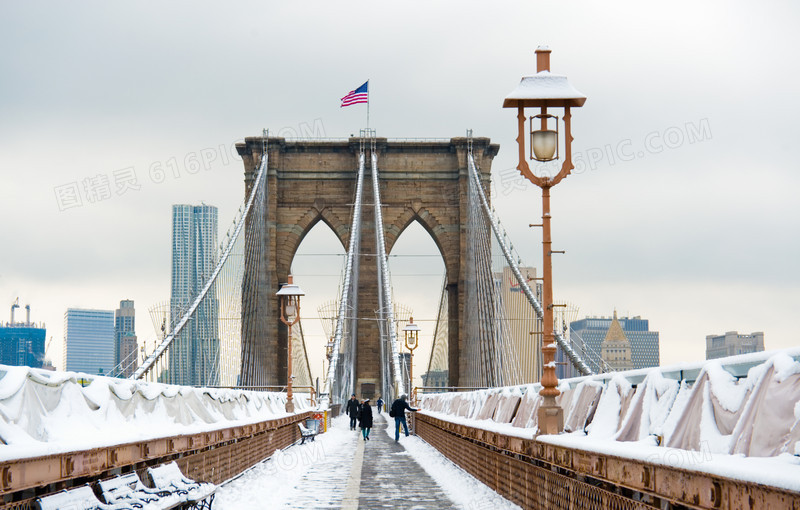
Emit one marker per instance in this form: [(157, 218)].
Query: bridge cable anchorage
[(340, 378), (576, 360), (386, 308), (153, 366)]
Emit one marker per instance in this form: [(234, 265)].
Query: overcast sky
[(684, 209)]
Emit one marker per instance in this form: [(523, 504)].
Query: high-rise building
[(523, 327), (732, 343), (194, 354), (616, 348), (22, 343), (125, 345), (435, 379), (89, 341), (591, 331)]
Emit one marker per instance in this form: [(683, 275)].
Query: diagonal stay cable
[(383, 268), (161, 349), (573, 356), (355, 237)]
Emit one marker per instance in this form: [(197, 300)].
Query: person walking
[(365, 419), (379, 404), (352, 410), (398, 412)]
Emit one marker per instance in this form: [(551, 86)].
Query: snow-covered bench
[(129, 490), (79, 498), (306, 433), (194, 495)]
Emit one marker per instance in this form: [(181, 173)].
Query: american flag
[(359, 95)]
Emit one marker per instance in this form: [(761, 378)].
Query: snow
[(785, 367), (782, 471), (606, 418), (315, 475), (723, 385), (278, 481), (44, 413), (462, 488), (662, 397), (545, 85)]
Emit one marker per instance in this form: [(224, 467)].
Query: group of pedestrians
[(361, 413)]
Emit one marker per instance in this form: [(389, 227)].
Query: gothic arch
[(309, 181)]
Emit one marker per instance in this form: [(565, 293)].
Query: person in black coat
[(365, 418), (398, 412), (352, 410)]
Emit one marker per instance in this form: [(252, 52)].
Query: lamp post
[(545, 90), (411, 332), (289, 296), (328, 356)]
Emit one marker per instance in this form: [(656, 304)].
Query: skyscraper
[(524, 328), (194, 355), (732, 343), (616, 348), (125, 345), (591, 331), (22, 342), (89, 341)]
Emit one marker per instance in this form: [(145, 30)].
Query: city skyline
[(673, 212)]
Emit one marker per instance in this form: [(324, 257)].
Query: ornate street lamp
[(543, 91), (289, 296), (411, 332)]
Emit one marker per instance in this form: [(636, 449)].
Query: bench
[(306, 433), (129, 490), (79, 498), (192, 495)]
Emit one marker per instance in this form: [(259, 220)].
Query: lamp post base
[(290, 406), (551, 419)]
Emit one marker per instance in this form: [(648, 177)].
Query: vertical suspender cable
[(334, 387), (576, 360), (383, 270)]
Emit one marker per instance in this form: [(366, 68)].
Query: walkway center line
[(351, 495)]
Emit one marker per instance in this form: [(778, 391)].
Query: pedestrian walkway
[(375, 474), (341, 470), (390, 478)]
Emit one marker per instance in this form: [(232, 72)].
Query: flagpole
[(367, 104)]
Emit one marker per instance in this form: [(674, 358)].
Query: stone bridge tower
[(310, 181)]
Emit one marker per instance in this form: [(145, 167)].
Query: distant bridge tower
[(312, 181)]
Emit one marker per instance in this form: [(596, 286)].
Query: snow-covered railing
[(44, 412), (715, 404), (735, 418)]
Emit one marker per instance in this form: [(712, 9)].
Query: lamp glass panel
[(291, 307), (544, 144)]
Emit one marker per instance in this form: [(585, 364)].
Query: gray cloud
[(92, 88)]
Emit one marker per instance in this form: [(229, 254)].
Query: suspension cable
[(161, 349), (573, 356), (331, 382), (383, 272)]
